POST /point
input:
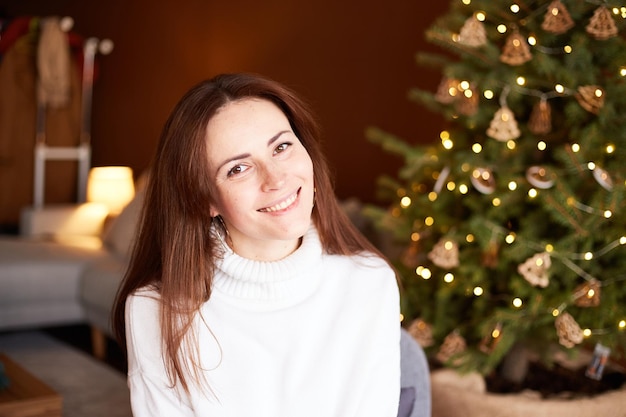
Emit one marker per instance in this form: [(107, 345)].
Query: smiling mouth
[(282, 205)]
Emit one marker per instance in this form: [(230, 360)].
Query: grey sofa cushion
[(415, 379)]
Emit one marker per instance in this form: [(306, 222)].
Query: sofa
[(65, 267)]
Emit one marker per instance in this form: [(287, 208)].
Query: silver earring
[(223, 233)]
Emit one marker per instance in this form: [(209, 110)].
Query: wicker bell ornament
[(557, 19), (602, 26), (541, 118), (516, 50)]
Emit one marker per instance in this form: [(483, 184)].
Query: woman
[(249, 292)]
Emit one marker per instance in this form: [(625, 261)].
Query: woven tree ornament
[(602, 26), (535, 269), (445, 254), (467, 103), (587, 294), (473, 33), (539, 177), (422, 332), (568, 330), (448, 91), (503, 126), (603, 178), (483, 180), (590, 97), (516, 50), (557, 19), (541, 118), (452, 345)]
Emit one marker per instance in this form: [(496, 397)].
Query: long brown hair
[(174, 251)]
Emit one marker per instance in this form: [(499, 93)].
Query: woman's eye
[(237, 169), (282, 147)]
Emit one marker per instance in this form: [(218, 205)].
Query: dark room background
[(352, 60)]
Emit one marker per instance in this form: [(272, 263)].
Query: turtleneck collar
[(273, 284)]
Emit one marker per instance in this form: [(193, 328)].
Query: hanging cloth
[(53, 64)]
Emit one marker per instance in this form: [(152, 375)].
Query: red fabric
[(17, 28), (20, 26)]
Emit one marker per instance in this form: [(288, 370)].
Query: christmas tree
[(510, 230)]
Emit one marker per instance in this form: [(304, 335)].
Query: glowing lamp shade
[(112, 186)]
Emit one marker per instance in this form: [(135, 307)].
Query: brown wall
[(353, 60)]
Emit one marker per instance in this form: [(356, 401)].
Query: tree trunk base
[(455, 395)]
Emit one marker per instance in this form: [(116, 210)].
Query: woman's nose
[(273, 177)]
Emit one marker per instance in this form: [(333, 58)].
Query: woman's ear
[(213, 212)]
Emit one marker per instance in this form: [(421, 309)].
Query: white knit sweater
[(310, 335)]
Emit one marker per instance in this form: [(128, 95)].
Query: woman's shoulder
[(144, 299), (370, 260), (366, 263)]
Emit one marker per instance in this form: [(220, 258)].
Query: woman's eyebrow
[(276, 136), (246, 155), (234, 158)]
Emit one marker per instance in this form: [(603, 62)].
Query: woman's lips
[(282, 205)]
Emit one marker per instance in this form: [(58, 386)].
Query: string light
[(448, 277), (423, 272), (541, 145), (517, 302), (405, 202), (478, 291), (496, 331)]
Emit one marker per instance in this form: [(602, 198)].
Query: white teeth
[(283, 205)]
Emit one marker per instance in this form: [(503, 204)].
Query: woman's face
[(263, 179)]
